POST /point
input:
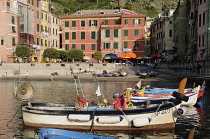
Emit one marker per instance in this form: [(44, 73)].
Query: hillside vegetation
[(148, 7)]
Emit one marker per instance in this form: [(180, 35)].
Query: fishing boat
[(155, 94), (192, 94), (51, 133), (117, 116)]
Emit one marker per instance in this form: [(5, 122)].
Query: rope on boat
[(92, 123), (194, 128), (156, 110), (126, 118), (13, 117), (98, 85)]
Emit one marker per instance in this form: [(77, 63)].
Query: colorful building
[(8, 30), (108, 31), (202, 30)]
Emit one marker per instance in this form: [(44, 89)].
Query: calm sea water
[(65, 92)]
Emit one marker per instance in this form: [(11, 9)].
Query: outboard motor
[(116, 95)]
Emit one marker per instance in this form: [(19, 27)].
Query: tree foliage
[(22, 51), (97, 55), (75, 54), (147, 7), (51, 53), (62, 54)]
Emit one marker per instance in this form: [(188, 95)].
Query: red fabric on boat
[(81, 100), (119, 102)]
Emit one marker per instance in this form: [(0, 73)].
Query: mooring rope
[(13, 117)]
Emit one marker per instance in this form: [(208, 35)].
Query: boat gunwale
[(101, 113)]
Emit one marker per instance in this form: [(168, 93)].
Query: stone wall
[(36, 69)]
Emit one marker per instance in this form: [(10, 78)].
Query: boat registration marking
[(162, 112)]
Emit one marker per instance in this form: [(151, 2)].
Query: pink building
[(108, 31), (201, 22), (8, 30)]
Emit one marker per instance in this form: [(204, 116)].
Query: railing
[(192, 72)]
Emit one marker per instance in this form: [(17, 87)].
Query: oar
[(192, 133), (180, 94), (182, 85)]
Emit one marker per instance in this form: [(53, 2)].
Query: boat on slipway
[(96, 117)]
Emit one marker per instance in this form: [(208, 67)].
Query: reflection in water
[(65, 92)]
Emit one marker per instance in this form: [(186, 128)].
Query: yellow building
[(44, 4)]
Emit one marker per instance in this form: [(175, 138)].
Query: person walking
[(198, 68)]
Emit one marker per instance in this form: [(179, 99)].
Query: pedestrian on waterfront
[(198, 68), (186, 69), (27, 74), (191, 69), (194, 68)]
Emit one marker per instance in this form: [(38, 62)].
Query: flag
[(98, 91), (138, 84), (142, 91)]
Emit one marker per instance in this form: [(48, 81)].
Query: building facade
[(108, 31), (162, 30), (202, 30), (8, 30)]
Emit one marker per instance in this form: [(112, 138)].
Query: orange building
[(108, 31)]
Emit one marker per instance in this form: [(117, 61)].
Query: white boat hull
[(163, 119)]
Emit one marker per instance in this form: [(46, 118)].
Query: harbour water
[(64, 91)]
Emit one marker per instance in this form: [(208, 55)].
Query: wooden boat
[(50, 133), (53, 115), (162, 94), (99, 117), (192, 94)]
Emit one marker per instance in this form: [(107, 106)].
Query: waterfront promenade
[(42, 71)]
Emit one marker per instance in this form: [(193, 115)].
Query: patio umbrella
[(139, 57), (107, 57), (156, 56), (130, 54), (110, 56)]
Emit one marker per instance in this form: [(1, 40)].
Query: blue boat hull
[(50, 133)]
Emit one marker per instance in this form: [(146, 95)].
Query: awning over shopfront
[(156, 56), (111, 56), (129, 55)]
